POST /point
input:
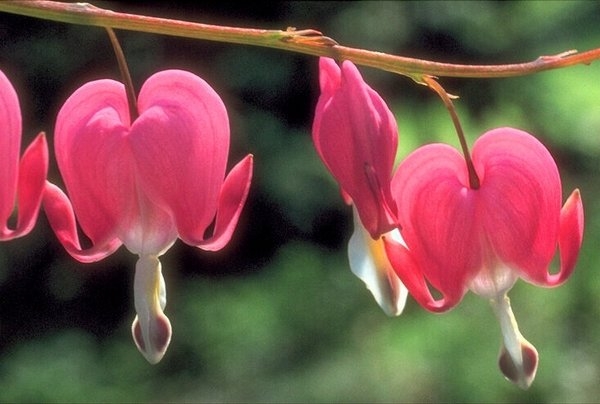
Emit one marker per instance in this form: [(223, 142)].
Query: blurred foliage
[(277, 316)]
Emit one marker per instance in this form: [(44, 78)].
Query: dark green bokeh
[(277, 315)]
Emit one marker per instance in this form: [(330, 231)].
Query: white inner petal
[(369, 263), (493, 280)]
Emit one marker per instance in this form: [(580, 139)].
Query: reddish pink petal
[(437, 212), (412, 277), (94, 160), (10, 143), (519, 199), (21, 184), (62, 220), (181, 143), (570, 238), (329, 76), (32, 176), (231, 201), (356, 136)]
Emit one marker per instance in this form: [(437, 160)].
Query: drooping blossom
[(21, 182), (484, 239), (356, 137), (144, 183)]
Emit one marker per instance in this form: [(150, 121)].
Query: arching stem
[(125, 76), (306, 41), (435, 86)]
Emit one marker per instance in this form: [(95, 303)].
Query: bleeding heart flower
[(484, 239), (355, 134), (146, 183), (20, 182)]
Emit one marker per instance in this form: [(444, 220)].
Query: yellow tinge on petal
[(151, 329), (369, 262)]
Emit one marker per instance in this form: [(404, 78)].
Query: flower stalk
[(125, 75), (308, 41), (446, 99)]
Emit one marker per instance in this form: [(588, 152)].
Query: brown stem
[(435, 86), (308, 41), (126, 77)]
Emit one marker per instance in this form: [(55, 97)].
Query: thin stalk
[(310, 42), (435, 86), (126, 77)]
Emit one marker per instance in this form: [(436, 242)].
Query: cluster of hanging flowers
[(147, 174), (141, 181), (426, 225)]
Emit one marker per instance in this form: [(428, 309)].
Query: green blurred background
[(277, 315)]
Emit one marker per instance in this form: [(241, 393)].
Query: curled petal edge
[(232, 198), (412, 277), (33, 170), (61, 217), (570, 238)]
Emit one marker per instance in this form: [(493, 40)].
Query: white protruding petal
[(369, 263), (151, 329), (494, 280), (518, 357)]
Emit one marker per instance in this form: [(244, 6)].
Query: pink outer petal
[(570, 238), (522, 195), (60, 215), (329, 76), (94, 160), (436, 211), (412, 277), (519, 199), (181, 144), (231, 201), (32, 176), (356, 136), (10, 143)]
